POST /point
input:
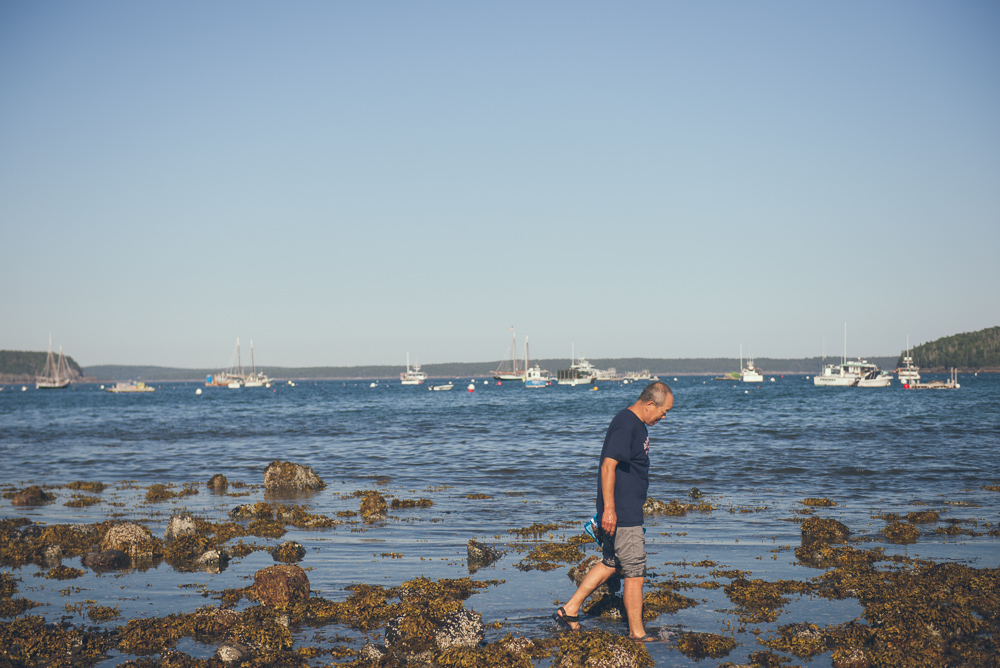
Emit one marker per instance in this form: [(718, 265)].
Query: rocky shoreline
[(916, 612)]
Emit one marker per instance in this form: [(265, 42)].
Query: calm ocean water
[(754, 451)]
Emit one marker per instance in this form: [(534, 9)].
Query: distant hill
[(659, 366), (973, 351), (18, 366)]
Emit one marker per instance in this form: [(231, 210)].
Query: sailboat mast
[(253, 365), (239, 363), (527, 363), (513, 350)]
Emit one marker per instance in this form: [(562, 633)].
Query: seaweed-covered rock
[(134, 540), (373, 507), (32, 496), (822, 530), (106, 560), (289, 552), (179, 524), (218, 483), (288, 475), (461, 628), (278, 586), (481, 555)]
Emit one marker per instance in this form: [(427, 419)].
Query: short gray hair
[(656, 392)]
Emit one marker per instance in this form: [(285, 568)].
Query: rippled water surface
[(755, 452)]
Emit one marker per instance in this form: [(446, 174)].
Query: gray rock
[(213, 561), (232, 652), (51, 555), (180, 524), (373, 652)]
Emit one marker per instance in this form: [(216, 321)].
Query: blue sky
[(344, 182)]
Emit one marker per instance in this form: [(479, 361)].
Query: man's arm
[(609, 520)]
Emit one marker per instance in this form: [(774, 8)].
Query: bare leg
[(594, 578), (633, 606)]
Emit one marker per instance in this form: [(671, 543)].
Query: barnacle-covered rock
[(134, 540), (288, 475)]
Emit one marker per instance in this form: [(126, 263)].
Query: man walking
[(621, 491)]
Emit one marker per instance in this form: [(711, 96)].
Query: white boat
[(138, 387), (872, 376), (440, 388), (580, 372), (56, 374), (611, 374), (503, 372), (749, 374), (412, 376)]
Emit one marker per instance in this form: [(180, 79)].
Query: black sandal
[(564, 618)]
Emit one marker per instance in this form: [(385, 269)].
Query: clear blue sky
[(344, 182)]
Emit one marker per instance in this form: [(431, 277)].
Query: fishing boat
[(580, 372), (860, 373), (56, 374), (136, 387), (612, 374), (412, 376), (503, 372), (854, 373), (908, 374), (534, 376), (749, 374)]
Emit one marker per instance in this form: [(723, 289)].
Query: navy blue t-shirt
[(627, 441)]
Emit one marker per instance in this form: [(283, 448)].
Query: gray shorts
[(626, 550)]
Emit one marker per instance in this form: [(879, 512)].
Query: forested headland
[(970, 351), (18, 366)]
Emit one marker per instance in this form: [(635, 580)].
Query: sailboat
[(55, 376), (255, 378), (513, 373)]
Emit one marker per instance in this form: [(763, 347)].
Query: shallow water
[(754, 451)]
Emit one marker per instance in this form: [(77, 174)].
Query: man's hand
[(609, 521)]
